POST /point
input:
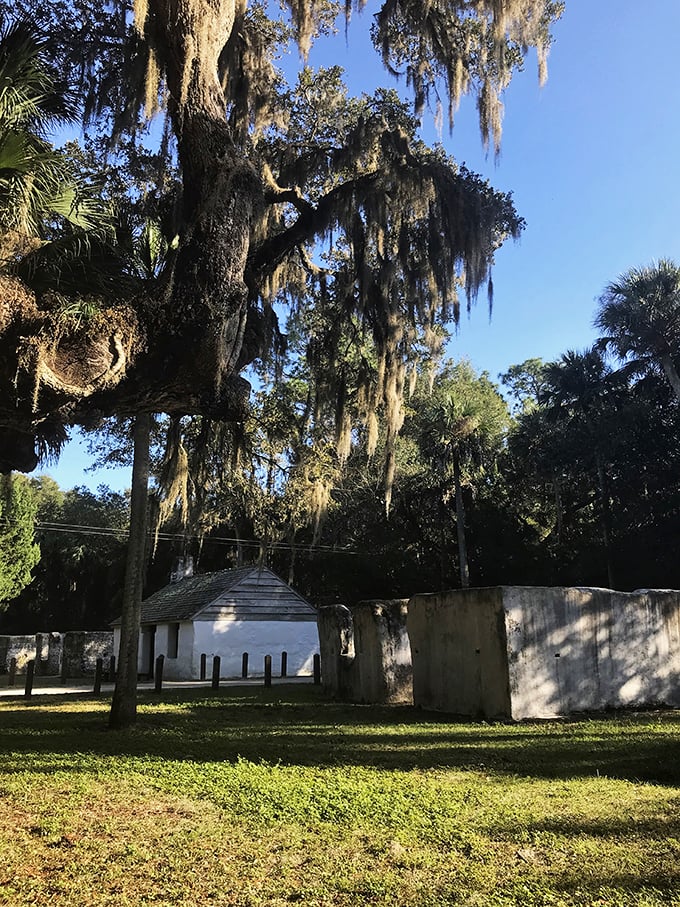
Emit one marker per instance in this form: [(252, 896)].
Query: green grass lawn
[(273, 797)]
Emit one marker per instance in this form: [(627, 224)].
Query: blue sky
[(592, 161)]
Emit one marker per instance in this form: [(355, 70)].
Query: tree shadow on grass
[(653, 827), (298, 727), (665, 883)]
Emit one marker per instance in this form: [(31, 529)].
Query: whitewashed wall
[(573, 649), (230, 639), (179, 668), (143, 649)]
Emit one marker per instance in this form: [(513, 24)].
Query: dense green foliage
[(81, 538), (580, 488), (18, 552)]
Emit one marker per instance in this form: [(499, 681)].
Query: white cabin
[(228, 613)]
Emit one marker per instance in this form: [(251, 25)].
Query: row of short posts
[(216, 668), (158, 674), (31, 671)]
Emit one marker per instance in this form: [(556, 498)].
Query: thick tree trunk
[(460, 526), (124, 705), (180, 351), (221, 191)]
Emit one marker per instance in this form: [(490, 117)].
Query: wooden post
[(284, 664), (317, 669), (158, 676), (244, 666), (112, 669), (64, 667), (204, 662), (30, 672), (98, 673), (216, 672), (12, 675), (267, 670)]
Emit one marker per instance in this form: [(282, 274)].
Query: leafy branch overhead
[(296, 194)]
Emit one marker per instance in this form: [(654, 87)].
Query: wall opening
[(173, 640)]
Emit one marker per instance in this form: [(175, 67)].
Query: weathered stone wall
[(20, 647), (382, 662), (576, 649), (336, 646), (458, 651), (365, 652), (82, 648), (529, 652)]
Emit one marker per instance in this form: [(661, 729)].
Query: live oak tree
[(257, 196)]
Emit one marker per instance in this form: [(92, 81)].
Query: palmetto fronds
[(37, 183), (639, 316)]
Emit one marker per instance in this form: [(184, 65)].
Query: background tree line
[(568, 477)]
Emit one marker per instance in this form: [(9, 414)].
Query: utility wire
[(111, 531)]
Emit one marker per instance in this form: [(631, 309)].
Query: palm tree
[(124, 704), (462, 425), (639, 315), (582, 394)]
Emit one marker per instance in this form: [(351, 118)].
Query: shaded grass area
[(269, 797)]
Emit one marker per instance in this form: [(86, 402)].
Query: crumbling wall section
[(82, 648), (382, 652), (48, 649), (20, 647), (336, 646)]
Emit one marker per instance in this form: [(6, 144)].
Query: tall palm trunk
[(443, 543), (557, 490), (124, 706), (460, 525), (671, 374), (606, 517)]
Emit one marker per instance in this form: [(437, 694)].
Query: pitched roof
[(246, 593)]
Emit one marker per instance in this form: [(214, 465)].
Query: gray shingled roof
[(183, 600)]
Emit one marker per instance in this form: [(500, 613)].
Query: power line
[(113, 532)]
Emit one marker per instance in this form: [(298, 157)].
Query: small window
[(173, 640)]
